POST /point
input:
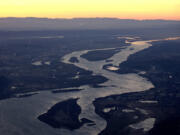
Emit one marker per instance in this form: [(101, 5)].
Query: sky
[(124, 9)]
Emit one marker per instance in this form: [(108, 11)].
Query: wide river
[(18, 116)]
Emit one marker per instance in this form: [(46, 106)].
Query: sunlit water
[(18, 116)]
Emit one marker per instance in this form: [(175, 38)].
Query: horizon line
[(68, 18)]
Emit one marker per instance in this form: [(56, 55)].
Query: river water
[(18, 116)]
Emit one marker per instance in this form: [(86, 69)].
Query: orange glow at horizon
[(126, 9)]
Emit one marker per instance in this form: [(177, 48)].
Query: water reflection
[(19, 115)]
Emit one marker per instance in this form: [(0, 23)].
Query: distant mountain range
[(31, 23)]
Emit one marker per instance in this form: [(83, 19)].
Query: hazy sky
[(134, 9)]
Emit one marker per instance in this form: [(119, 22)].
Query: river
[(18, 116)]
